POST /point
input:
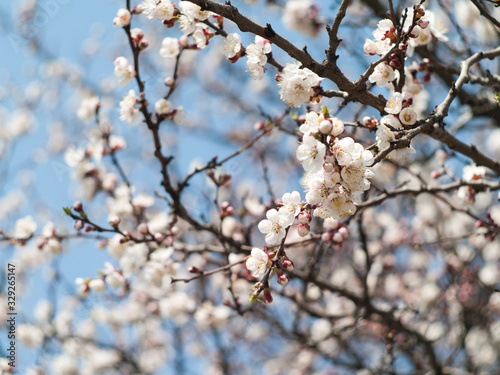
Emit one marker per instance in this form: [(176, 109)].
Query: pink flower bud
[(88, 228), (326, 237), (303, 229), (169, 82), (159, 237), (143, 229), (184, 41), (304, 217), (287, 264), (337, 237), (283, 279), (436, 174), (174, 231), (224, 205), (193, 269), (268, 298), (422, 23), (114, 221), (78, 206), (78, 224), (344, 232), (403, 47), (259, 126)]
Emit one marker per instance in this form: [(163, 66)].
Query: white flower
[(337, 126), (31, 335), (124, 70), (332, 197), (291, 206), (122, 18), (408, 116), (158, 9), (473, 172), (169, 48), (274, 227), (394, 104), (311, 125), (83, 287), (87, 110), (343, 150), (232, 45), (256, 57), (191, 14), (383, 75), (258, 262), (385, 135), (357, 173), (113, 276), (97, 285), (163, 107), (296, 85), (25, 227), (200, 35), (311, 153), (128, 110), (256, 53), (384, 28)]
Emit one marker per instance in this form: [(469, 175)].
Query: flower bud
[(337, 237), (114, 221), (184, 41), (303, 229), (169, 81), (268, 298), (344, 232), (97, 285), (304, 217), (422, 23), (326, 237), (436, 174), (287, 264), (78, 224), (78, 206), (283, 279), (403, 47), (174, 231), (88, 228), (159, 237), (325, 126), (143, 229), (415, 32)]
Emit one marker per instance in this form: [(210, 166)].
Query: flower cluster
[(337, 170), (470, 173), (400, 116), (232, 47), (190, 23), (128, 109), (122, 18), (274, 227), (170, 48), (124, 70), (387, 38), (257, 56), (162, 10), (298, 85)]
